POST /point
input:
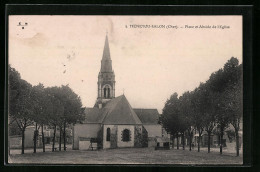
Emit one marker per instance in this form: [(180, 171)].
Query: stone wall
[(84, 130), (154, 130), (15, 141), (144, 137), (120, 142), (138, 139), (113, 131), (113, 137)]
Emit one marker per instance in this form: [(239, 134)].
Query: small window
[(108, 92), (105, 92), (126, 135), (108, 134)]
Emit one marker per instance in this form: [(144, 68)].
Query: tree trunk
[(177, 141), (35, 139), (221, 138), (199, 141), (237, 141), (183, 142), (53, 144), (64, 136), (43, 143), (60, 138), (190, 139), (209, 133), (172, 142), (23, 131)]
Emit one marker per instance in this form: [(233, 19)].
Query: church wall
[(153, 131), (121, 143), (106, 144), (84, 130)]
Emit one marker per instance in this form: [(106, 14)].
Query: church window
[(108, 134), (126, 135), (105, 92), (108, 92)]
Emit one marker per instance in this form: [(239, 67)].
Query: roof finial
[(123, 91), (106, 32)]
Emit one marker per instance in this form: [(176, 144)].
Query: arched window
[(105, 92), (108, 134), (108, 92), (126, 135)]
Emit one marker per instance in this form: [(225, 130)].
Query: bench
[(93, 146)]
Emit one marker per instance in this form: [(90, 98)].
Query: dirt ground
[(125, 156)]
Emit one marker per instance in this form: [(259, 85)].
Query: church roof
[(116, 111), (148, 116), (120, 112), (94, 115)]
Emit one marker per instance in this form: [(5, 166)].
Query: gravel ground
[(126, 156)]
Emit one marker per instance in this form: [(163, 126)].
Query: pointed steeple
[(106, 51), (106, 62), (106, 78)]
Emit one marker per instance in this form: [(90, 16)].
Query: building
[(15, 141), (112, 122)]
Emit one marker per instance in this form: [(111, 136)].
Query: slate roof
[(116, 111), (94, 115), (120, 112), (148, 116)]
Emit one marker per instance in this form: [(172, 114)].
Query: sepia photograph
[(125, 89)]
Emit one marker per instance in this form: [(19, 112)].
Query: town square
[(125, 95)]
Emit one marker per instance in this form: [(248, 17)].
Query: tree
[(170, 117), (42, 110), (57, 110), (72, 109), (187, 115), (226, 85), (20, 104), (173, 119), (210, 110), (199, 103), (66, 110), (234, 95)]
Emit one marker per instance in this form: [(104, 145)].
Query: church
[(112, 122)]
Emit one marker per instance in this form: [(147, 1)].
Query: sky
[(150, 63)]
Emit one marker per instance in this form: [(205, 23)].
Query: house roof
[(148, 116)]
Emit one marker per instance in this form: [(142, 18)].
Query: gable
[(119, 111)]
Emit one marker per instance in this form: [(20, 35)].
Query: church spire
[(106, 78), (106, 51), (106, 62)]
